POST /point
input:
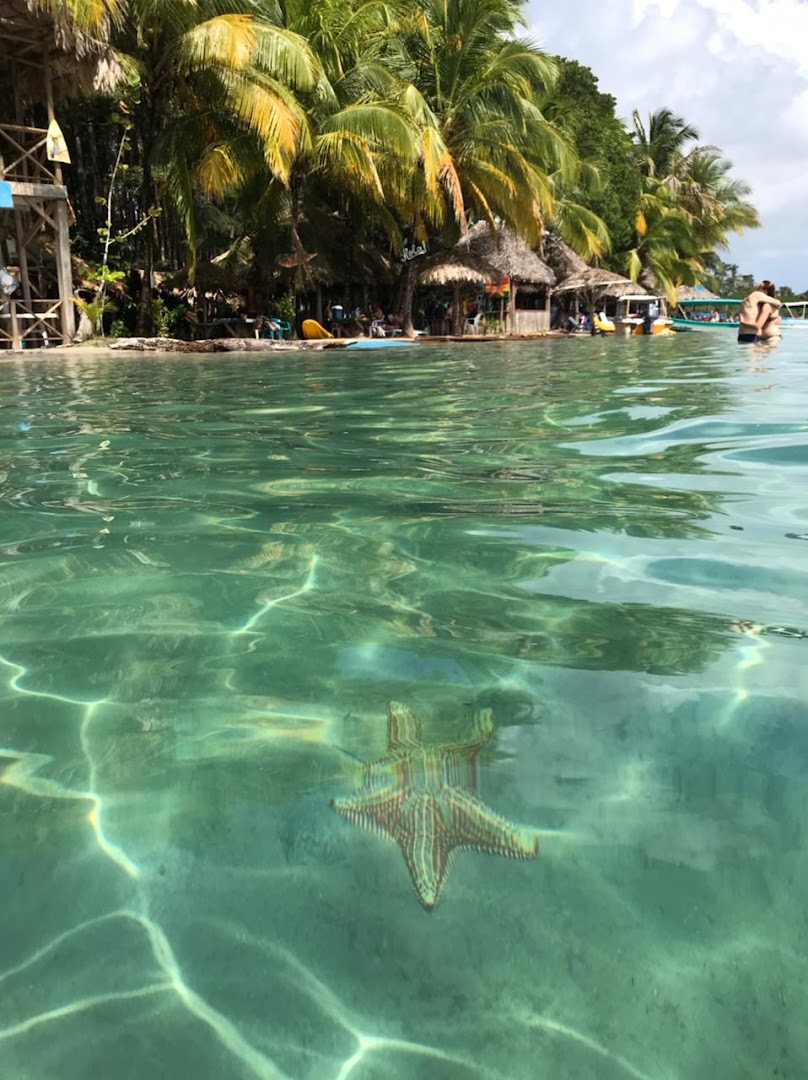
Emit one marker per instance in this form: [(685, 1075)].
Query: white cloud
[(736, 69)]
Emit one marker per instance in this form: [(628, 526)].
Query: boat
[(718, 314), (794, 315), (642, 314), (711, 314)]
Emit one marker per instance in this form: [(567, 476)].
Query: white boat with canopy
[(642, 314)]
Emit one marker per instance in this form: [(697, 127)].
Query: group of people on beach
[(759, 318)]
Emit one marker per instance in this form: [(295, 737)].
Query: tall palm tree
[(352, 126), (196, 75), (486, 151), (660, 141), (689, 204)]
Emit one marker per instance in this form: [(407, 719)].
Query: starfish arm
[(403, 727), (426, 848), (376, 811), (475, 825)]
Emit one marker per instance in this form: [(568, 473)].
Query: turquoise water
[(580, 565)]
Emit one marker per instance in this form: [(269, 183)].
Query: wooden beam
[(26, 190), (64, 273), (22, 255), (16, 340)]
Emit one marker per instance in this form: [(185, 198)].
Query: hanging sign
[(57, 147), (6, 198), (412, 252)]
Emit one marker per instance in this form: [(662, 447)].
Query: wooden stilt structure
[(35, 229)]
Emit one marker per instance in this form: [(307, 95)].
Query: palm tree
[(660, 141), (486, 151), (352, 128), (197, 75), (689, 204)]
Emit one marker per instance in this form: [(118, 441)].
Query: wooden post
[(22, 256), (46, 71), (16, 340), (64, 272)]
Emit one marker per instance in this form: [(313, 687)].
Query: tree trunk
[(407, 328), (146, 128), (457, 314)]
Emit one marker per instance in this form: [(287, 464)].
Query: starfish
[(413, 794)]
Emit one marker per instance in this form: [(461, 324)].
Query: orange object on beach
[(312, 330)]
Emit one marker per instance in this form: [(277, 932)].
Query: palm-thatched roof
[(694, 292), (506, 252), (486, 254), (32, 31), (575, 275), (600, 282), (563, 261), (451, 271)]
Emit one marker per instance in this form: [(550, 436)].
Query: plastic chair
[(472, 326), (275, 329)]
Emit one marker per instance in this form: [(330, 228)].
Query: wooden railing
[(24, 156), (38, 323)]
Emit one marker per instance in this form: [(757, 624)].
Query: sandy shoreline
[(174, 347)]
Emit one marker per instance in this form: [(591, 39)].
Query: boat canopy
[(715, 302)]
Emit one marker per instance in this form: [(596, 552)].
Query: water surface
[(215, 573)]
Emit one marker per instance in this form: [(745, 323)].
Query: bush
[(178, 324), (284, 308), (118, 329), (160, 317)]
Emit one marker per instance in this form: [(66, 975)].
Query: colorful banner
[(499, 288)]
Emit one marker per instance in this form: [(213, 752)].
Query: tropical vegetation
[(298, 144)]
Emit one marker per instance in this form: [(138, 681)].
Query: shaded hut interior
[(515, 282)]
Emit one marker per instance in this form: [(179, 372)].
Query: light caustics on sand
[(225, 1031), (553, 1027), (327, 1001), (23, 774), (268, 605)]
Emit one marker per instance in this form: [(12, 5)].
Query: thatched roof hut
[(483, 254), (452, 271), (506, 252), (600, 282), (576, 276), (489, 255), (563, 261)]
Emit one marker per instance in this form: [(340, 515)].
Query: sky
[(735, 69)]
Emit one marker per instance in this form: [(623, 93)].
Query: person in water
[(760, 312)]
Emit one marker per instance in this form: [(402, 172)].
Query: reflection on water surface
[(576, 566)]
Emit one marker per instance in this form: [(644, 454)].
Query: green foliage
[(602, 142), (284, 307), (94, 310), (342, 127), (118, 329), (160, 316), (178, 320)]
